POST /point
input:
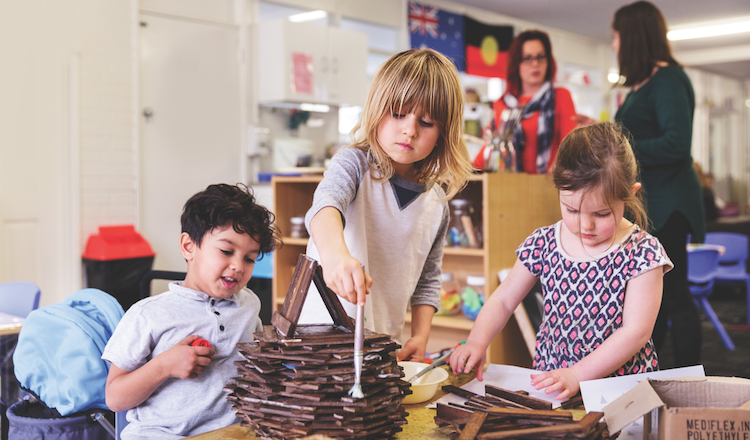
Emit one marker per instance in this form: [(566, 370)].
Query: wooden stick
[(472, 428), (531, 413), (527, 401)]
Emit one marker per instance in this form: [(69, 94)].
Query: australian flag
[(437, 29)]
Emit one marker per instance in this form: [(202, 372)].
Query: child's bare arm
[(126, 389), (342, 273), (642, 301), (421, 322), (491, 319)]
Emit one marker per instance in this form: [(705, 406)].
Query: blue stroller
[(58, 360)]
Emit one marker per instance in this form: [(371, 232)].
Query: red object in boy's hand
[(200, 342)]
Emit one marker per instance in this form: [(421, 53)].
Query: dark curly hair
[(221, 205)]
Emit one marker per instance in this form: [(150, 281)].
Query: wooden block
[(335, 309), (574, 402), (295, 296), (527, 401), (473, 426), (531, 414), (283, 325), (459, 391)]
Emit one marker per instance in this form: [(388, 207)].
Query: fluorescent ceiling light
[(710, 29), (320, 108), (308, 16)]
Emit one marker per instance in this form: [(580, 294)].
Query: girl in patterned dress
[(601, 296)]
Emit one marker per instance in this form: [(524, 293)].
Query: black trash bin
[(115, 261)]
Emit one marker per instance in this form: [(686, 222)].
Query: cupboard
[(303, 62), (510, 206)]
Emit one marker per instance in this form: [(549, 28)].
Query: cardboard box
[(690, 408)]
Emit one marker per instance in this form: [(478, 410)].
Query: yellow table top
[(10, 324), (420, 420)]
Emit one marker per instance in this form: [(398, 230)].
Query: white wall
[(68, 135)]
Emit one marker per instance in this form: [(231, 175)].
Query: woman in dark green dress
[(658, 113)]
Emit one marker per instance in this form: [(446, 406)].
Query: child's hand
[(184, 361), (414, 350), (564, 380), (467, 356), (345, 277)]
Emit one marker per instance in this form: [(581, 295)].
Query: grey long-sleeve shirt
[(395, 228)]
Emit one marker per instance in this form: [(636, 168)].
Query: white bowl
[(426, 386)]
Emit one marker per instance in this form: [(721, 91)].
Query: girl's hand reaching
[(468, 356), (346, 278), (414, 350), (564, 380)]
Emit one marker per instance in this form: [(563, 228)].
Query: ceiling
[(727, 55)]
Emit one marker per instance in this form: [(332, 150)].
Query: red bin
[(115, 260)]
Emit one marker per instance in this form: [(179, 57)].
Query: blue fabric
[(58, 356), (264, 267)]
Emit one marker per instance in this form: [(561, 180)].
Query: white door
[(37, 243), (190, 88)]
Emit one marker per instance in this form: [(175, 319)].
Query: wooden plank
[(531, 413), (459, 391), (335, 309), (295, 296), (473, 426), (527, 401)]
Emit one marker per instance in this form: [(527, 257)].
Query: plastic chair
[(702, 269), (732, 263), (19, 298)]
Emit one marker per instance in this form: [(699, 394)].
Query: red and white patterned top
[(584, 297)]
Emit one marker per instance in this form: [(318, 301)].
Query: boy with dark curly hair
[(169, 387)]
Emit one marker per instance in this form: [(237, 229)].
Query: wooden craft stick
[(335, 309), (472, 428), (531, 413), (459, 391), (527, 401)]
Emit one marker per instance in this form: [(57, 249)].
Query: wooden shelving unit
[(510, 207)]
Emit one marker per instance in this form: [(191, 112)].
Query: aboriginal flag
[(486, 48)]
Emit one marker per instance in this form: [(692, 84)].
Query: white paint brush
[(359, 342)]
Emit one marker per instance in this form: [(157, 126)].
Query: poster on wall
[(434, 28), (302, 73), (486, 48)]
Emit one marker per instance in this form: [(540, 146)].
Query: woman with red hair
[(548, 113)]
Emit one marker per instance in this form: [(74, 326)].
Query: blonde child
[(382, 203), (601, 292)]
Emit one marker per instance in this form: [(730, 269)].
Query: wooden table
[(420, 420), (10, 324)]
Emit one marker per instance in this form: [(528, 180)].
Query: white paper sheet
[(600, 392), (503, 376)]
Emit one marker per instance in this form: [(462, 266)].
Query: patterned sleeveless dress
[(584, 297)]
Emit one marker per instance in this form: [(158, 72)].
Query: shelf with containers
[(507, 208)]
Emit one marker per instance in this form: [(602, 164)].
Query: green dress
[(659, 117)]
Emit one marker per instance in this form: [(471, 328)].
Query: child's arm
[(642, 301), (126, 389), (416, 346), (342, 273), (492, 318)]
